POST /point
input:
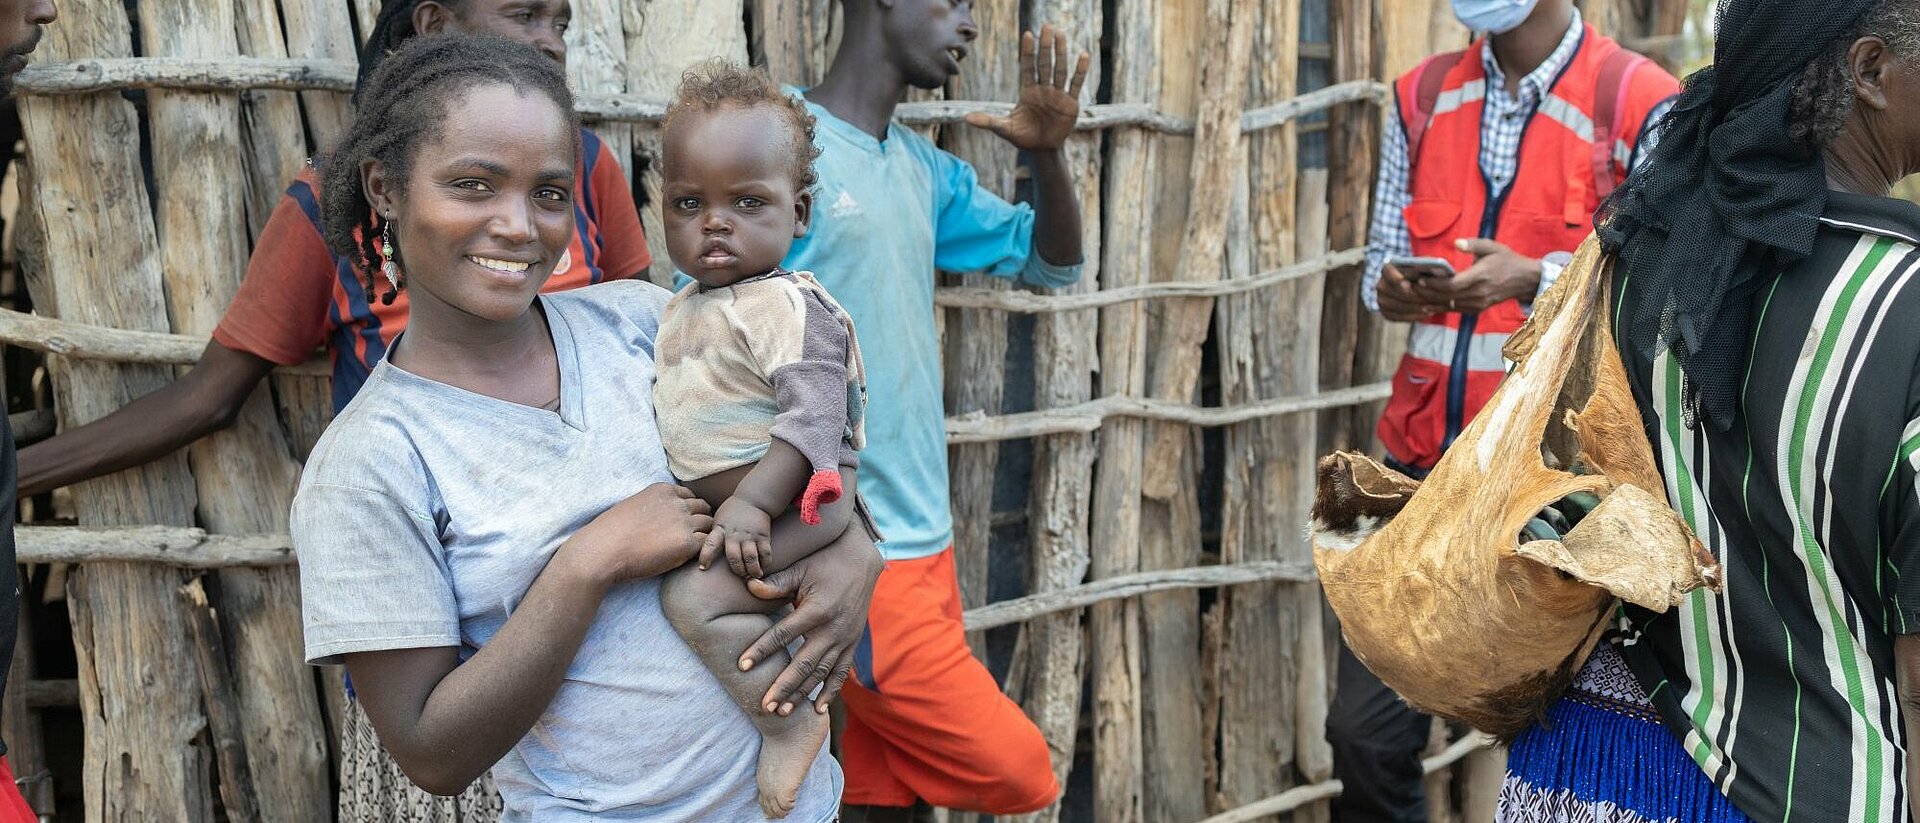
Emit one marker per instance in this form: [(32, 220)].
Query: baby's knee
[(694, 599), (686, 597)]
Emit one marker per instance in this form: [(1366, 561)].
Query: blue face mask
[(1493, 16)]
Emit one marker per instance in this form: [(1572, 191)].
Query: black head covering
[(1727, 196)]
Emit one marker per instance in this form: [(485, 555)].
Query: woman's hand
[(830, 590), (646, 535)]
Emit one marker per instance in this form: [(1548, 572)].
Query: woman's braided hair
[(716, 84), (1823, 96), (404, 104)]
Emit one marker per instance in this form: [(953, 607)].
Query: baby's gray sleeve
[(812, 390)]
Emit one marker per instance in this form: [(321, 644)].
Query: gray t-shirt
[(425, 513)]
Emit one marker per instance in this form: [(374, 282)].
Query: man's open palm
[(1049, 97)]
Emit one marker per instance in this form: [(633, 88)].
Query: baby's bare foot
[(787, 752)]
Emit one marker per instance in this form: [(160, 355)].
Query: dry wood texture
[(24, 732), (102, 266), (1351, 144), (795, 39), (1113, 630), (597, 61), (224, 723), (244, 475), (1212, 85), (1202, 234), (1265, 351), (1061, 496)]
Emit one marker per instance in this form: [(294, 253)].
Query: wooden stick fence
[(1200, 226)]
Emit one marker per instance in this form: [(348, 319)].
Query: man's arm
[(209, 398), (1383, 288), (1039, 125), (1056, 209)]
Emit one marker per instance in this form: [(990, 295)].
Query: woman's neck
[(509, 360), (1858, 163)]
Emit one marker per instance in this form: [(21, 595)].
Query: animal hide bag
[(1440, 598)]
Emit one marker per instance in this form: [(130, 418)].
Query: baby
[(761, 391)]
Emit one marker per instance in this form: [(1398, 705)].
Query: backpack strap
[(1609, 104), (1428, 79)]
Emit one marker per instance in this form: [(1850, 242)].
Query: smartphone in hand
[(1414, 267)]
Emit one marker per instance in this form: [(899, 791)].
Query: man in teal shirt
[(926, 722)]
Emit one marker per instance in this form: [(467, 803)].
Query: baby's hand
[(743, 530)]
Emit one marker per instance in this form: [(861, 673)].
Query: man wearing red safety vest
[(1494, 162)]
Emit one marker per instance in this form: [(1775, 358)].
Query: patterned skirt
[(374, 790), (1603, 756)]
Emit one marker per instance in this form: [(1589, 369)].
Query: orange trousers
[(925, 719)]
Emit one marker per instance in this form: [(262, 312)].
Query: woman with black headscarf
[(1768, 313)]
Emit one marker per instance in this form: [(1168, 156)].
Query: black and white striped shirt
[(1783, 688)]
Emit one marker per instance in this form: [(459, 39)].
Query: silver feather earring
[(389, 268)]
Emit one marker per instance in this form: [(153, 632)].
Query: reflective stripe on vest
[(1452, 99), (1557, 109), (1429, 341)]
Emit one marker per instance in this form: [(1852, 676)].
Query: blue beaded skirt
[(1603, 756)]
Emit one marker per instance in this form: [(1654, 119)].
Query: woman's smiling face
[(487, 210)]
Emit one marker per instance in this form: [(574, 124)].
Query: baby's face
[(732, 207)]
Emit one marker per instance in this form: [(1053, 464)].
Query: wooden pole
[(244, 476), (1114, 628), (1313, 654), (795, 39), (1058, 509), (224, 723), (323, 29), (270, 125), (1176, 750), (144, 758), (664, 37), (1269, 470), (976, 341), (1351, 142), (597, 61)]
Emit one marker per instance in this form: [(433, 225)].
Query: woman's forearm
[(447, 722)]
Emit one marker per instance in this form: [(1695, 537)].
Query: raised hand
[(1049, 99)]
